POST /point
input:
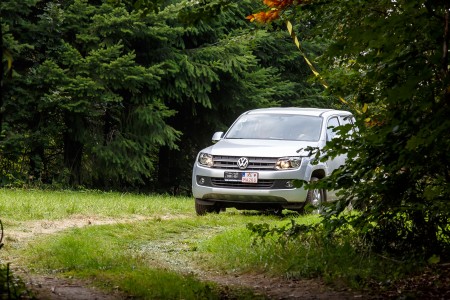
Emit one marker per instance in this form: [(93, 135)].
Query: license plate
[(244, 177)]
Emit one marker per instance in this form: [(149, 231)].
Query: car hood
[(260, 148)]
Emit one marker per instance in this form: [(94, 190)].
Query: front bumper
[(272, 187)]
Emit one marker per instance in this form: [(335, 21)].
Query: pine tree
[(117, 94)]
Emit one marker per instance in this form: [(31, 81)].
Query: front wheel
[(203, 209), (316, 197)]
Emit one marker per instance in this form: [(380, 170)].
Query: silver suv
[(253, 165)]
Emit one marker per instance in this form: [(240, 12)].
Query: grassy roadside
[(160, 244)]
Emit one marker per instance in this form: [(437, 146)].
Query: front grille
[(255, 163), (262, 184)]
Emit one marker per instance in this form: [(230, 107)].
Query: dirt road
[(59, 288)]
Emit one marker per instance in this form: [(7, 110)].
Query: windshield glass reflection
[(276, 127)]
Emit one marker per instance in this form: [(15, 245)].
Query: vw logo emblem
[(242, 163)]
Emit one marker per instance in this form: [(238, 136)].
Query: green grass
[(26, 205), (153, 258), (111, 256), (132, 256), (127, 255)]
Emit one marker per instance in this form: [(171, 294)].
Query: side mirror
[(217, 137)]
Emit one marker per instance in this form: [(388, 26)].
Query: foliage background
[(121, 95), (390, 60)]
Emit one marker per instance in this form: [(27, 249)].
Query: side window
[(332, 123), (348, 120)]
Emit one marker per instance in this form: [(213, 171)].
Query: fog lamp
[(289, 184)]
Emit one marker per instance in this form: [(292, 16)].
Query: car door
[(336, 162)]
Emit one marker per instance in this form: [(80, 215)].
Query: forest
[(104, 95), (120, 95)]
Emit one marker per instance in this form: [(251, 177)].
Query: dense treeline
[(121, 95)]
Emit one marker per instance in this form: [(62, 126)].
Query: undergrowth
[(298, 251), (12, 287)]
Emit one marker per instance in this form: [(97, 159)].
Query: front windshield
[(276, 127)]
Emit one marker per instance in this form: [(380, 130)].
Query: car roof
[(318, 112)]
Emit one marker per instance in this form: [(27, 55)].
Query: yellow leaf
[(289, 26), (9, 58), (365, 107)]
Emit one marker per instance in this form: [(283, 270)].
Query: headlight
[(287, 163), (206, 160)]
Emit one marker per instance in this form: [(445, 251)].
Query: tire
[(202, 209), (315, 198)]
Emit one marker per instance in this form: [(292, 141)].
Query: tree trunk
[(73, 147), (168, 171), (37, 163), (444, 60), (1, 79)]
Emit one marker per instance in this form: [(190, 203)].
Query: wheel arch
[(318, 173)]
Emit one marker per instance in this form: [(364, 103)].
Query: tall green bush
[(390, 61), (393, 57)]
